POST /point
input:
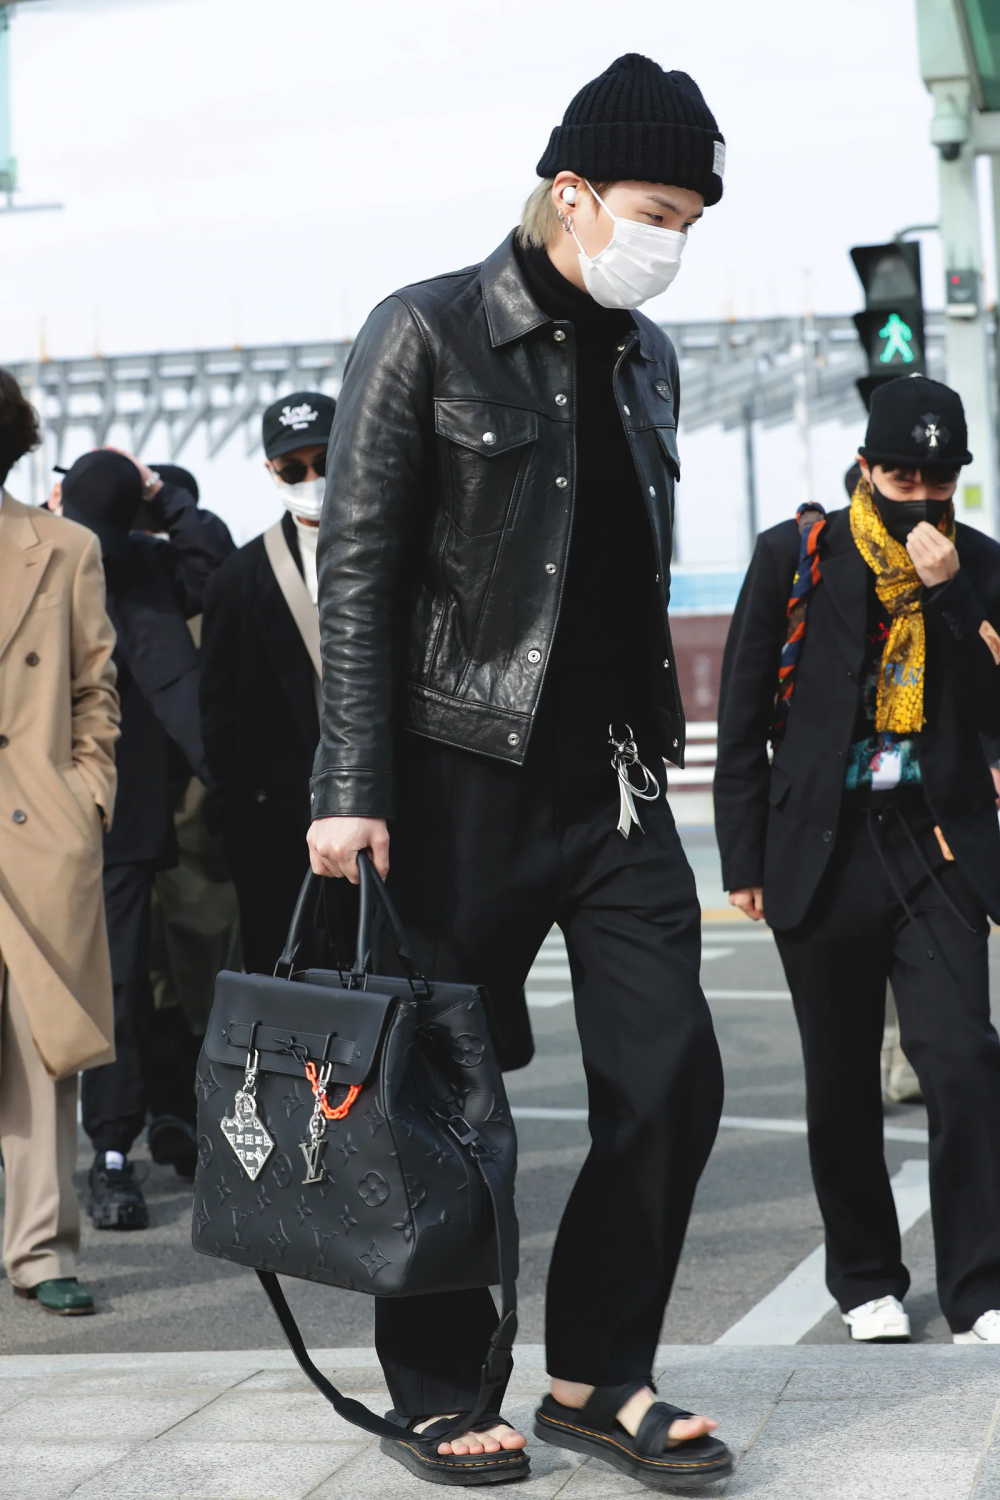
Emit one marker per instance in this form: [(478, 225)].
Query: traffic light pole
[(967, 340)]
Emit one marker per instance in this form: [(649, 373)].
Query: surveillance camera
[(950, 127)]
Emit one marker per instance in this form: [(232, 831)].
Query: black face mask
[(900, 516)]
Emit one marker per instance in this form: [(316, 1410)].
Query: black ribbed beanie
[(636, 122)]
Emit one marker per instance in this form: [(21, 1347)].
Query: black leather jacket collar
[(512, 312)]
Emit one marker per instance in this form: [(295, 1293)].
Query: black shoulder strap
[(498, 1362)]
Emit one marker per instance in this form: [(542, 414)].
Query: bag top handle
[(373, 893)]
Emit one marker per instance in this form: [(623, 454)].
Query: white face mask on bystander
[(304, 500), (638, 262)]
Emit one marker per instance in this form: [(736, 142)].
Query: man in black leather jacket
[(494, 578)]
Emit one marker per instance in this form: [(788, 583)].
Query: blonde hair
[(540, 218)]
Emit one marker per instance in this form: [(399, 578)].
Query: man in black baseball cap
[(867, 641), (260, 678)]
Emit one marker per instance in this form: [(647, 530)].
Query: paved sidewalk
[(808, 1423)]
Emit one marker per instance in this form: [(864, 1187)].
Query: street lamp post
[(8, 161), (956, 37)]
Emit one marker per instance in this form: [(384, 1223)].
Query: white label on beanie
[(719, 160)]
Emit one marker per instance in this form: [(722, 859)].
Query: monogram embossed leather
[(412, 1190)]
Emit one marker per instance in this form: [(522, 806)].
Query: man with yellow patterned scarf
[(865, 647)]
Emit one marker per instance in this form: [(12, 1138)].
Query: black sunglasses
[(294, 471)]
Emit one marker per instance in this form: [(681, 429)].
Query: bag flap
[(345, 1026), (484, 427)]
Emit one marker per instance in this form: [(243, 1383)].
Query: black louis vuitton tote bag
[(354, 1130)]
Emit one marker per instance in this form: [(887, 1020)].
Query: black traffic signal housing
[(891, 328)]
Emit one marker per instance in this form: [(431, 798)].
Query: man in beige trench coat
[(58, 725)]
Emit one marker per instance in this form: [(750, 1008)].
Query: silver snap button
[(534, 657), (626, 411), (621, 348), (559, 335), (666, 663), (561, 482), (675, 744), (513, 739), (657, 578), (550, 568), (489, 438), (19, 816), (652, 489), (560, 399), (312, 796)]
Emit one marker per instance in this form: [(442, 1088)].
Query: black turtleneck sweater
[(608, 617)]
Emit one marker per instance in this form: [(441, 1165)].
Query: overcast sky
[(251, 171)]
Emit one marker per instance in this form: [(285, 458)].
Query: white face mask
[(638, 262), (304, 500)]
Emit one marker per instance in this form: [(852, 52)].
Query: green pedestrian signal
[(891, 328), (898, 336)]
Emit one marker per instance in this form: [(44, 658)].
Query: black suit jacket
[(777, 825), (153, 588), (261, 728)]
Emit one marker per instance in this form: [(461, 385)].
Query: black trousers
[(115, 1097), (856, 937), (484, 858)]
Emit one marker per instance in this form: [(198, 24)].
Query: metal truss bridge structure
[(733, 374)]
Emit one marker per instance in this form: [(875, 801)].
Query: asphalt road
[(755, 1217)]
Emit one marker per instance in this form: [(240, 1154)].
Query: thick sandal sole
[(674, 1476), (442, 1468)]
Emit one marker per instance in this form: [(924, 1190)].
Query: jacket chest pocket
[(487, 449)]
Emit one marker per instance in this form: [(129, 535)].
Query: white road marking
[(798, 1303), (747, 995), (550, 983)]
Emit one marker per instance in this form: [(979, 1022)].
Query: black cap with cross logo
[(915, 421)]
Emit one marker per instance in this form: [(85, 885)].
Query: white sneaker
[(884, 1322), (985, 1330)]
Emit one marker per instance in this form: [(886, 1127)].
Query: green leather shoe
[(63, 1295)]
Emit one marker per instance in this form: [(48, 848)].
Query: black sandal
[(417, 1451), (595, 1430)]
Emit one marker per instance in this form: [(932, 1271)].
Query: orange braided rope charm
[(329, 1112)]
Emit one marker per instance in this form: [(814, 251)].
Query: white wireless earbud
[(569, 195)]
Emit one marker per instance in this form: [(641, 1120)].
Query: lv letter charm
[(313, 1148), (244, 1129)]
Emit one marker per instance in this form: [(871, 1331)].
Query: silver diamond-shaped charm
[(245, 1132)]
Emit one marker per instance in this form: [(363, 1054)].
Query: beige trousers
[(41, 1226)]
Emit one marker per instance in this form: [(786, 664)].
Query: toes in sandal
[(596, 1431), (418, 1452)]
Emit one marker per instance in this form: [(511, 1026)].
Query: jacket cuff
[(740, 877), (171, 506), (351, 794), (956, 604)]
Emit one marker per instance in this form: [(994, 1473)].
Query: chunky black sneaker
[(115, 1200), (174, 1143)]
